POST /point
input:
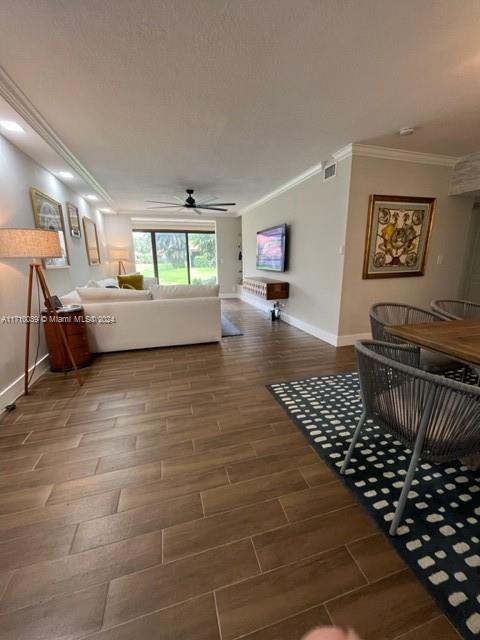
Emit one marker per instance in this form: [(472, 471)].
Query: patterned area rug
[(440, 533)]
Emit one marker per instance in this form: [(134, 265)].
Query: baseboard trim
[(321, 334), (317, 332), (348, 339), (263, 305), (9, 394)]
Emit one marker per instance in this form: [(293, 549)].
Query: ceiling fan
[(191, 203)]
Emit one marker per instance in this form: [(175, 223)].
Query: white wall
[(328, 296), (449, 239), (18, 173), (316, 214), (118, 230), (470, 289), (229, 238)]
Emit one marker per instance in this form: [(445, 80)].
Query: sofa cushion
[(172, 291), (131, 281), (106, 282), (90, 294)]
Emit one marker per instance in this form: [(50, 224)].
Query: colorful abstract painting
[(398, 232)]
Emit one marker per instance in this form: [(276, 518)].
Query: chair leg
[(351, 448), (404, 494)]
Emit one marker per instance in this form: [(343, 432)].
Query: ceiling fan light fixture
[(191, 203)]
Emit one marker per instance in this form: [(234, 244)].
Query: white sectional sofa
[(179, 315)]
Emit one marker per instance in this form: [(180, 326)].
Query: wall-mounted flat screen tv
[(272, 248)]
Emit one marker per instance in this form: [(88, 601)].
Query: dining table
[(458, 339)]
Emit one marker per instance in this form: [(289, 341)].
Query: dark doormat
[(228, 328)]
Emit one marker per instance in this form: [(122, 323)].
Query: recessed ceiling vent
[(330, 171)]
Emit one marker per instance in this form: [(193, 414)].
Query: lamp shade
[(29, 243), (119, 253)]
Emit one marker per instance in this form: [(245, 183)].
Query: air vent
[(330, 171)]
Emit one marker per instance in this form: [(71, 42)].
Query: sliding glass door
[(202, 252), (142, 244), (172, 257), (176, 257)]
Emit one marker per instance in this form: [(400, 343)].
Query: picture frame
[(48, 214), (73, 220), (398, 236), (91, 241)]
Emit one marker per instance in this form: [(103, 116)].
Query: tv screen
[(271, 248)]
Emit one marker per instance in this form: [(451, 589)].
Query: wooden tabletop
[(459, 339)]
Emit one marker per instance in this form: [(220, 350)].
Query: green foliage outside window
[(171, 258)]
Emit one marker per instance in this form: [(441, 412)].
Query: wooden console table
[(266, 288)]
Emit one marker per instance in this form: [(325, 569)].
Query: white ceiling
[(236, 97)]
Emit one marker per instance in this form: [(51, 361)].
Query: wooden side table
[(73, 322)]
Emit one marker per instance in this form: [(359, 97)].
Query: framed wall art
[(91, 241), (398, 234), (48, 214), (73, 220)]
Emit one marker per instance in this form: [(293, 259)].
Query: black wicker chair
[(436, 417), (394, 313), (457, 309)]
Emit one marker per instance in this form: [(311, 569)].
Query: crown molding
[(362, 151), (386, 153), (15, 97), (343, 153), (313, 171), (145, 213)]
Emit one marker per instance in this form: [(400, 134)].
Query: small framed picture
[(398, 235), (48, 215), (73, 220), (91, 241)]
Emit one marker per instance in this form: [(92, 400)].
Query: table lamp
[(121, 254), (35, 244)]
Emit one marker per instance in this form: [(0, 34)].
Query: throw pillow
[(172, 291), (108, 282), (148, 283), (134, 280)]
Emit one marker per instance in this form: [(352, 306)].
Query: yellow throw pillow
[(131, 281)]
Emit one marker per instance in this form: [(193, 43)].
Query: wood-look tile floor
[(170, 497)]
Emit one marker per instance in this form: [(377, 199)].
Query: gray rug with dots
[(440, 533)]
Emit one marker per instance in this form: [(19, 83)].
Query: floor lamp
[(121, 254), (35, 244)]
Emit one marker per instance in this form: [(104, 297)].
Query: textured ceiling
[(236, 97)]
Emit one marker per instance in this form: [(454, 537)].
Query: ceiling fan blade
[(174, 204), (209, 199), (210, 208), (199, 213), (223, 204), (168, 206)]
